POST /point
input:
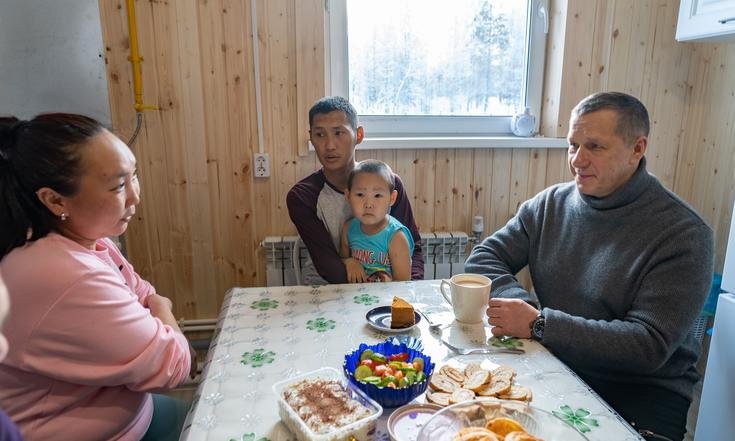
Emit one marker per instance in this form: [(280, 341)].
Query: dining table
[(267, 334)]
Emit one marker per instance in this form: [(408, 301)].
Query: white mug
[(469, 296)]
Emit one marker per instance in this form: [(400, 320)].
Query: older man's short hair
[(632, 114)]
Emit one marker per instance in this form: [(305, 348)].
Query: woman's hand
[(159, 304), (511, 317), (162, 308), (193, 356)]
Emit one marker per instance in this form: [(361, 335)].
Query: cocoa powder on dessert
[(324, 404)]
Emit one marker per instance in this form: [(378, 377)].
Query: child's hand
[(380, 276), (355, 271)]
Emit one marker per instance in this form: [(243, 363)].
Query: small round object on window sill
[(523, 124)]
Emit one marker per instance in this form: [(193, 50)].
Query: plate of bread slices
[(400, 316)]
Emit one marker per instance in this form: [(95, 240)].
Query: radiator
[(444, 255)]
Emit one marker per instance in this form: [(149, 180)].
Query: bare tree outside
[(437, 57)]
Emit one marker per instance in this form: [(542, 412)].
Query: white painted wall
[(52, 58)]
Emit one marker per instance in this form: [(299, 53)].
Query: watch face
[(538, 328)]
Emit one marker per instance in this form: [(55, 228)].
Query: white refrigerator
[(716, 420)]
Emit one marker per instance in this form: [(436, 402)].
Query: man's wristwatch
[(537, 327)]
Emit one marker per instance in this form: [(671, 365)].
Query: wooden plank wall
[(705, 172), (203, 214)]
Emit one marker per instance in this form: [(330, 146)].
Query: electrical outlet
[(261, 165)]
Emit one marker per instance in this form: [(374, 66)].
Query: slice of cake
[(401, 314)]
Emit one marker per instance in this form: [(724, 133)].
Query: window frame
[(397, 127)]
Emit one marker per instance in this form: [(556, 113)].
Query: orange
[(503, 426)]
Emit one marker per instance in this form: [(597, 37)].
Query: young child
[(317, 204), (374, 246)]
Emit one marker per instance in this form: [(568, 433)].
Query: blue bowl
[(386, 396)]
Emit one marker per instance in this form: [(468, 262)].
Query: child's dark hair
[(373, 166), (333, 103), (43, 152)]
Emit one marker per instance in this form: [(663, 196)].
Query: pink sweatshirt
[(84, 350)]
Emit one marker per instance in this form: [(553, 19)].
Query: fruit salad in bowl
[(391, 374)]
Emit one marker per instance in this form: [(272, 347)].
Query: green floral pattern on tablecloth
[(505, 342), (366, 299), (320, 324), (268, 334), (249, 437), (258, 358), (579, 419), (264, 304)]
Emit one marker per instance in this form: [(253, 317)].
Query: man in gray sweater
[(621, 267)]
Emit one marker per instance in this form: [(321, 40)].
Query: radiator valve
[(478, 227)]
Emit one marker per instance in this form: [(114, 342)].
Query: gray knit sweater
[(620, 279)]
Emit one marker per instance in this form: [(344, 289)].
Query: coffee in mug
[(469, 295), (470, 284)]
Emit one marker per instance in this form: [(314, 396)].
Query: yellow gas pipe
[(135, 59)]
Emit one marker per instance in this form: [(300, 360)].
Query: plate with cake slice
[(398, 317)]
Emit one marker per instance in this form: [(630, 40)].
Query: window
[(437, 68)]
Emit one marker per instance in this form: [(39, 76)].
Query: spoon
[(433, 327)]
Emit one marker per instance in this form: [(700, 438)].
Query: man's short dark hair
[(632, 114), (330, 104), (376, 167)]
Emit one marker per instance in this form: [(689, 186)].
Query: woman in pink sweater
[(89, 339), (8, 429)]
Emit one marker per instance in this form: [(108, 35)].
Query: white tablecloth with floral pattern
[(265, 335)]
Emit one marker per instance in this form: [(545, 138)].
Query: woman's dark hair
[(43, 152)]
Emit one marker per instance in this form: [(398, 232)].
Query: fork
[(468, 351)]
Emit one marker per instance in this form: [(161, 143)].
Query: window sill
[(472, 142)]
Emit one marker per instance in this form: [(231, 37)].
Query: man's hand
[(511, 317), (355, 271)]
